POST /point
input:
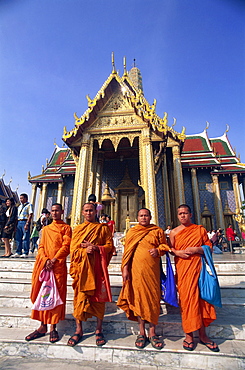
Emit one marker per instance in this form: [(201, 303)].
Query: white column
[(236, 192), (148, 174), (218, 204), (196, 198), (59, 196), (178, 177)]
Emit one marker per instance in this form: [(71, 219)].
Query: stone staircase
[(228, 330)]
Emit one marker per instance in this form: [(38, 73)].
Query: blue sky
[(191, 54)]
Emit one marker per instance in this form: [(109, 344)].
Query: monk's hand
[(182, 253), (154, 252), (125, 274), (194, 250), (48, 265)]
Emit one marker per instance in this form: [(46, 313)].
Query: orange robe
[(55, 243), (195, 312), (140, 296), (89, 271)]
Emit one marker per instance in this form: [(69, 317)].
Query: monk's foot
[(141, 341), (74, 339), (188, 346), (53, 336), (210, 344), (36, 334), (100, 339), (156, 342)]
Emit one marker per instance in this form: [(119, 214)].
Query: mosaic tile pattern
[(188, 191), (160, 199)]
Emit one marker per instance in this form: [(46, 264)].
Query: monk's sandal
[(156, 342), (141, 341)]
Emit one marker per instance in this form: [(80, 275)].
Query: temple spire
[(125, 73), (113, 63), (135, 77)]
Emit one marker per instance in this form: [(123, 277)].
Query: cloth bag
[(48, 296), (208, 283), (168, 286)]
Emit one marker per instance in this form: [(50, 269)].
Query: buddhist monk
[(53, 249), (91, 251), (186, 240), (141, 293)]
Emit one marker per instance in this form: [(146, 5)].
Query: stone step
[(120, 349), (231, 306), (225, 327), (221, 262)]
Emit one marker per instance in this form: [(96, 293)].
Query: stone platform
[(228, 330)]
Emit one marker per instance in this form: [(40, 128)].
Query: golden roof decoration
[(136, 98)]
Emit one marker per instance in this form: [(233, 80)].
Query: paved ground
[(20, 363)]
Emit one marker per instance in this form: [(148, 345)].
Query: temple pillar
[(98, 177), (167, 209), (59, 195), (43, 198), (220, 223), (178, 176), (39, 208), (236, 192), (33, 195), (90, 170), (196, 198), (148, 175), (80, 181)]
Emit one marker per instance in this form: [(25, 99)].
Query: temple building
[(129, 157), (7, 192)]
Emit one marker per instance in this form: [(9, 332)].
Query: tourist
[(98, 206), (2, 217), (10, 226), (103, 219), (111, 224), (167, 232), (22, 236), (53, 249), (34, 238), (186, 240), (140, 296), (91, 251)]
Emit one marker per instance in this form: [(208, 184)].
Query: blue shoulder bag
[(168, 286), (208, 283)]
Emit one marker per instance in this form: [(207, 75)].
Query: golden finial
[(55, 142), (29, 175), (113, 63), (124, 67), (18, 187), (42, 168), (183, 130), (207, 125), (10, 181), (46, 162), (239, 157), (75, 116), (227, 128), (175, 120), (4, 173)]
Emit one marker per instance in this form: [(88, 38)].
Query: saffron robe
[(195, 312), (140, 296), (55, 243), (89, 271)]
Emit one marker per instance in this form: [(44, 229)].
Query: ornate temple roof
[(131, 91), (201, 151), (61, 164), (7, 192)]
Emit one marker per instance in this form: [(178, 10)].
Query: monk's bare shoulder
[(176, 230)]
